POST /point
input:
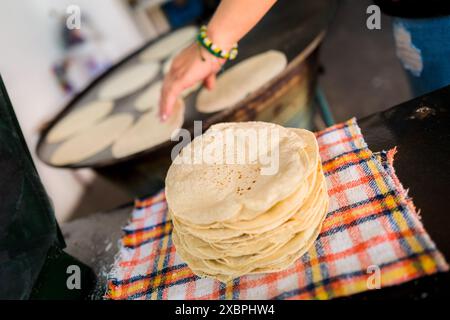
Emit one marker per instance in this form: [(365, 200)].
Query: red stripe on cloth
[(324, 146), (340, 188)]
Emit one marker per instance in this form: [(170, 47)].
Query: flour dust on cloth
[(370, 221)]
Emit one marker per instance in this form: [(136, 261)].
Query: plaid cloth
[(371, 222)]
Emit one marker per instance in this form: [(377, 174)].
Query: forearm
[(234, 18)]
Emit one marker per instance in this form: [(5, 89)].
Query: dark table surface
[(420, 129)]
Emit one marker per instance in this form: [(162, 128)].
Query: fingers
[(187, 70), (169, 96), (210, 81)]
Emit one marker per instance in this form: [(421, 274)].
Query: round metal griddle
[(294, 27)]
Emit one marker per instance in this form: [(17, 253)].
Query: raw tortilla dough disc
[(92, 140), (128, 81), (241, 80), (169, 44), (79, 119), (167, 64), (149, 131), (149, 99)]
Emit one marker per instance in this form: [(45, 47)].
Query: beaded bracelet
[(205, 42)]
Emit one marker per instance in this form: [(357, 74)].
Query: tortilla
[(148, 132), (149, 99), (236, 83), (169, 44), (128, 81), (208, 193), (265, 241), (168, 64), (248, 219), (92, 140), (224, 236), (226, 269), (267, 221), (295, 223), (79, 119)]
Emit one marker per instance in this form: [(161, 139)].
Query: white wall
[(28, 47)]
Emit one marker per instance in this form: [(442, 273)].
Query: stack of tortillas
[(246, 198)]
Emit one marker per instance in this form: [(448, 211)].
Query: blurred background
[(44, 65)]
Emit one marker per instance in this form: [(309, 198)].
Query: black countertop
[(420, 129)]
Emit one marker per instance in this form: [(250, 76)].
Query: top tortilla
[(205, 193)]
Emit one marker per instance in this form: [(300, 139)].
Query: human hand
[(191, 66)]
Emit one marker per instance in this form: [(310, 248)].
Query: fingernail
[(163, 117)]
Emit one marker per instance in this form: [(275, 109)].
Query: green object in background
[(324, 107), (32, 263)]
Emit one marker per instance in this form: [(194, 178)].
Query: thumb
[(210, 81)]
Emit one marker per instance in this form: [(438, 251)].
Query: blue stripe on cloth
[(359, 221), (236, 290), (148, 276), (150, 290), (165, 265), (324, 272), (362, 202), (392, 222), (157, 257), (162, 224)]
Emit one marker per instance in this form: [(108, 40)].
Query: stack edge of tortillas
[(246, 198)]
